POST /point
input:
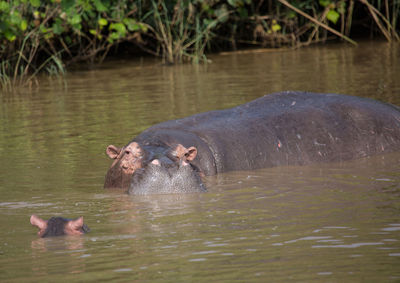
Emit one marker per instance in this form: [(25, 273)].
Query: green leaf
[(324, 3), (68, 39), (57, 27), (131, 24), (102, 22), (4, 6), (222, 14), (89, 15), (275, 27), (205, 7), (233, 3), (119, 28), (113, 36), (67, 4), (100, 6), (143, 28), (341, 7), (75, 20), (35, 3), (24, 25), (333, 16), (243, 12), (9, 35), (238, 3), (291, 14), (43, 29), (210, 24), (15, 18), (48, 35)]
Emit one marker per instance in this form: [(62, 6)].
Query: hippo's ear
[(113, 151), (38, 222), (189, 153), (76, 224), (74, 227)]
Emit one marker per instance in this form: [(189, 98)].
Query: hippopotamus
[(279, 129), (59, 226)]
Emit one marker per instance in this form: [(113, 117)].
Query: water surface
[(332, 222)]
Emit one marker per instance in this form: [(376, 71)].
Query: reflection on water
[(69, 252), (330, 222)]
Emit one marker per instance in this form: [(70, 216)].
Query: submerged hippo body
[(288, 128)]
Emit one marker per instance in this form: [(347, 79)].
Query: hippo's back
[(293, 128)]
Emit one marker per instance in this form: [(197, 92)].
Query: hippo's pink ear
[(76, 224), (113, 151), (74, 227), (38, 222), (189, 153)]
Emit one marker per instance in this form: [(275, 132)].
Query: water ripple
[(350, 246)]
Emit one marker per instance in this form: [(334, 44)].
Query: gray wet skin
[(280, 129)]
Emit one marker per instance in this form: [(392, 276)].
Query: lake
[(335, 222)]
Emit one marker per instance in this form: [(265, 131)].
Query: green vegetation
[(47, 36)]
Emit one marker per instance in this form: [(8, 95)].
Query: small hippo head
[(59, 226), (153, 169)]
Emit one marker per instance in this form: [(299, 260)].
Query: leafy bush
[(48, 35)]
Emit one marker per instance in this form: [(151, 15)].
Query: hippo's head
[(153, 169), (58, 226), (126, 161)]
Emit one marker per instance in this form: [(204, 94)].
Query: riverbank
[(48, 37)]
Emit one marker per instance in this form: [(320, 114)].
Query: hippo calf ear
[(189, 153), (74, 227), (38, 222), (113, 151)]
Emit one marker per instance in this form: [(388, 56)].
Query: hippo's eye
[(127, 152)]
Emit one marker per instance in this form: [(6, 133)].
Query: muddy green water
[(322, 223)]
